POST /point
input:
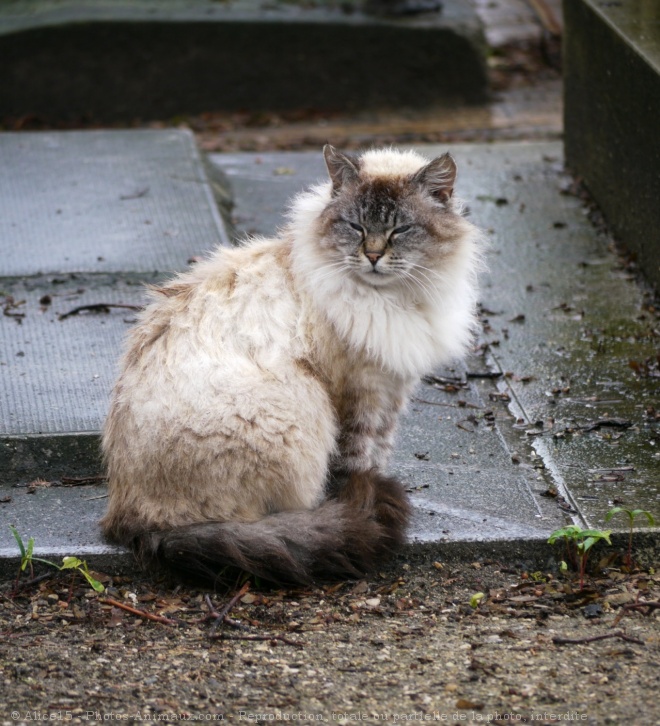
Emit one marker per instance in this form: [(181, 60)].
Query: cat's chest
[(383, 336)]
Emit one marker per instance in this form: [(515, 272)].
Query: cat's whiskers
[(403, 279), (432, 286), (402, 268), (416, 286), (415, 282), (330, 270), (423, 270)]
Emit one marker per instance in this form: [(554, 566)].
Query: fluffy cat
[(255, 410)]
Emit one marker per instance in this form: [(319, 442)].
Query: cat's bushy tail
[(345, 537)]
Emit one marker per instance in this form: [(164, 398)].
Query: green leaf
[(647, 514), (71, 563), (563, 566), (592, 536), (597, 533), (46, 562), (570, 532), (476, 599), (94, 583), (27, 557), (18, 539), (613, 511), (587, 544)]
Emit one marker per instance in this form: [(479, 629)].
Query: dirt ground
[(416, 642)]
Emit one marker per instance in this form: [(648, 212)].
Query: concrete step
[(470, 455), (60, 58)]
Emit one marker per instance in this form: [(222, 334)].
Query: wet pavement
[(549, 404)]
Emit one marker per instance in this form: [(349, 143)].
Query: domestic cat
[(254, 415)]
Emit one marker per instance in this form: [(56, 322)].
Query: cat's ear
[(438, 177), (342, 168)]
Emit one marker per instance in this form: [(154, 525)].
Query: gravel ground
[(404, 645)]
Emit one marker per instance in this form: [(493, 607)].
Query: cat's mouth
[(376, 276)]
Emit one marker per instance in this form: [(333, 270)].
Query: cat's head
[(391, 218)]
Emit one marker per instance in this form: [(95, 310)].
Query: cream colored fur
[(253, 376)]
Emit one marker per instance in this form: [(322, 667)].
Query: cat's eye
[(402, 229), (357, 227)]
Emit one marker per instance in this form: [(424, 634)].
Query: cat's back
[(240, 302)]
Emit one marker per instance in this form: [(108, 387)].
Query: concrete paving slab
[(56, 371), (86, 219), (103, 201), (62, 520), (566, 319)]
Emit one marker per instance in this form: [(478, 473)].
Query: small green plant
[(578, 545), (476, 599), (27, 556), (632, 514), (68, 563), (73, 563)]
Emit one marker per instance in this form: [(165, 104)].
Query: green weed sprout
[(632, 514), (578, 544), (27, 557), (68, 563)]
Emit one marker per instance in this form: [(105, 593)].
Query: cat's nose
[(373, 257)]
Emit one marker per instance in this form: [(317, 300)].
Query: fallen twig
[(32, 581), (435, 403), (220, 616), (445, 381), (458, 404), (74, 481), (135, 611), (97, 307), (592, 639)]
